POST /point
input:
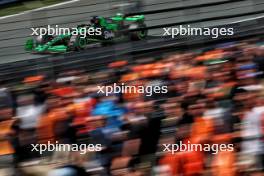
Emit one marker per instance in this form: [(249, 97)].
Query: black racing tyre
[(138, 35), (77, 43)]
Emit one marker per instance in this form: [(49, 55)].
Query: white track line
[(248, 19), (41, 8)]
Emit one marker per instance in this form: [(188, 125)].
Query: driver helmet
[(39, 39), (95, 20)]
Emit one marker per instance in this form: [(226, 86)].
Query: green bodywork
[(112, 24), (49, 46)]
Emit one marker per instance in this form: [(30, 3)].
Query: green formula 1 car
[(105, 31)]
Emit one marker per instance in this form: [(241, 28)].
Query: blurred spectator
[(8, 139)]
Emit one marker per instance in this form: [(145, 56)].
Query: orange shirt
[(47, 124), (193, 163), (224, 164), (173, 161), (201, 129), (5, 130), (198, 72), (80, 112), (135, 88)]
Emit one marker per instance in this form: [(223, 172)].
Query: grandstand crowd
[(215, 96)]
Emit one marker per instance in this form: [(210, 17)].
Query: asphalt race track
[(15, 30)]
